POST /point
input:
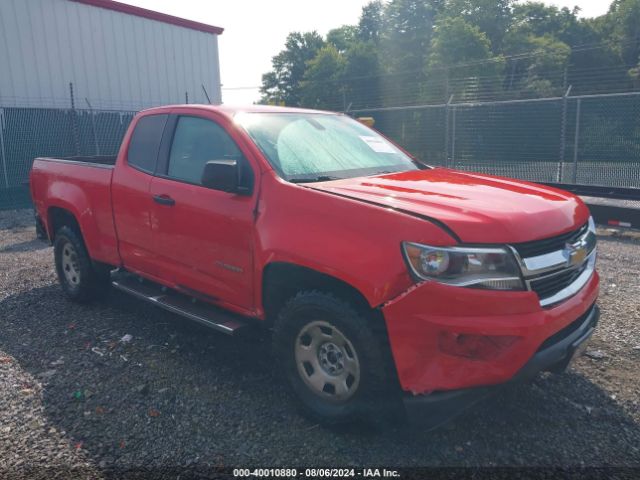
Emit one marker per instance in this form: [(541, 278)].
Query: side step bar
[(178, 303)]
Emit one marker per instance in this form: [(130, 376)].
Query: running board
[(178, 303)]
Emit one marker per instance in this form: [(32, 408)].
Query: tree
[(282, 84), (408, 51), (408, 27), (343, 37), (371, 22), (322, 85), (492, 17), (535, 19), (456, 42), (362, 75), (539, 19), (540, 71), (624, 21)]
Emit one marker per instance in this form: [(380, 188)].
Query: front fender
[(353, 241)]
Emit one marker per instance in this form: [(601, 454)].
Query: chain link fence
[(26, 133), (589, 139)]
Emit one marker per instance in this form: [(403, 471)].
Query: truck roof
[(231, 111)]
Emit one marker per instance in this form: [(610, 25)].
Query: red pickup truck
[(381, 278)]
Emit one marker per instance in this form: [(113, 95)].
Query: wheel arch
[(58, 217), (282, 280)]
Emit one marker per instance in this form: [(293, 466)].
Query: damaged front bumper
[(439, 383), (440, 407)]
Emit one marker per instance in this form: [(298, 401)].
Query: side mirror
[(221, 175)]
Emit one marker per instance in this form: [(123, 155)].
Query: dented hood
[(477, 208)]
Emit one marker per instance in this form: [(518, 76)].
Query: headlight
[(492, 268)]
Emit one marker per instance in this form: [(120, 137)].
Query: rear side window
[(145, 142), (195, 142)]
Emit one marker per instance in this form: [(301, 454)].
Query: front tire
[(80, 280), (331, 359)]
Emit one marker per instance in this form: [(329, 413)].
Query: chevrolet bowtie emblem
[(575, 253)]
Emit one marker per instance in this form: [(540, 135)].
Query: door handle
[(164, 200)]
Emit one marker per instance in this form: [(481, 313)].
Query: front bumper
[(555, 354), (417, 320)]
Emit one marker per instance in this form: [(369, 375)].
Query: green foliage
[(343, 37), (362, 75), (371, 22), (589, 36), (624, 22), (282, 84), (539, 19), (409, 51), (404, 47), (457, 42), (408, 29), (542, 72), (492, 17), (322, 83)]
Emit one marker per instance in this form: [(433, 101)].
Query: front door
[(203, 238)]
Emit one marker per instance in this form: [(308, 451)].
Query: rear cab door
[(130, 197)]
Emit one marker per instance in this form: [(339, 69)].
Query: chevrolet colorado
[(381, 278)]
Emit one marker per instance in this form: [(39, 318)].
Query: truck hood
[(477, 208)]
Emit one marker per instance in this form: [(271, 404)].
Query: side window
[(195, 142), (145, 142)]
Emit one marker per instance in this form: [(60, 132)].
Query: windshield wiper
[(320, 178)]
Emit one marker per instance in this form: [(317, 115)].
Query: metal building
[(116, 56)]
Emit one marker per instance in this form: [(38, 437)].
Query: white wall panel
[(115, 60)]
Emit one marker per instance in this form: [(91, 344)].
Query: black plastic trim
[(162, 163)]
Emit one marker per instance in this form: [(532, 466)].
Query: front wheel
[(331, 359), (79, 278)]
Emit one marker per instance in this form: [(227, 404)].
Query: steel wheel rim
[(70, 267), (327, 362)]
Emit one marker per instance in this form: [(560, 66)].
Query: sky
[(255, 30)]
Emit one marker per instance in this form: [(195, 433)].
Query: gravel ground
[(75, 394)]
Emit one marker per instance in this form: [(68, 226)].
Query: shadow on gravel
[(27, 246), (178, 394)]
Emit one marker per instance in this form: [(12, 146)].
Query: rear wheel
[(331, 359), (80, 279)]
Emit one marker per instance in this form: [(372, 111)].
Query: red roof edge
[(152, 15)]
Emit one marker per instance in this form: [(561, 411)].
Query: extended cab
[(380, 277)]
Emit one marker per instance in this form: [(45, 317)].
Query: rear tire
[(81, 281), (331, 359)]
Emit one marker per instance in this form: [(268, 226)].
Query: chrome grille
[(557, 268), (549, 285), (548, 245)]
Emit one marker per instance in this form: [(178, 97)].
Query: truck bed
[(81, 185)]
